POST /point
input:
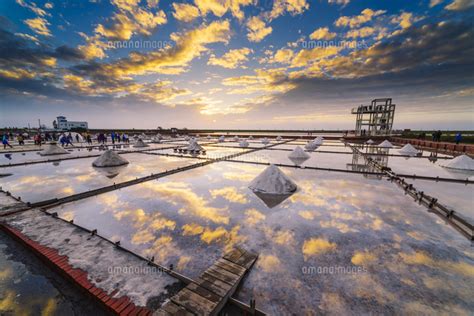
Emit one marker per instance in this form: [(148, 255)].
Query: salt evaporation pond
[(211, 152), (28, 156), (321, 160), (392, 256), (39, 182), (27, 287)]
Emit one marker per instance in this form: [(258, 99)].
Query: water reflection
[(272, 200), (333, 220), (110, 172), (361, 164)]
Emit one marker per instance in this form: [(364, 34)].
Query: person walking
[(458, 138), (38, 139), (21, 140), (5, 141)]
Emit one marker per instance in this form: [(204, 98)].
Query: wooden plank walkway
[(208, 294)]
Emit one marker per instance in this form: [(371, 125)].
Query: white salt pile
[(250, 137), (265, 141), (244, 143), (194, 146), (318, 140), (462, 162), (298, 155), (140, 143), (209, 137), (222, 139), (386, 144), (311, 145), (370, 142), (187, 138), (279, 138), (408, 150), (53, 149), (156, 139), (109, 159), (273, 181), (236, 138)]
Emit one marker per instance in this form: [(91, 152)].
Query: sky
[(247, 64)]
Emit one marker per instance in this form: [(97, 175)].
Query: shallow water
[(387, 254), (19, 157), (28, 288), (45, 181)]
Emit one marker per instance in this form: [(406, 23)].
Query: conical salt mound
[(462, 162), (386, 144), (311, 145), (265, 141), (370, 142), (209, 137), (140, 143), (187, 138), (250, 137), (236, 138), (156, 139), (222, 139), (298, 156), (273, 181), (408, 149), (109, 159), (244, 143), (318, 140), (279, 137), (194, 146), (299, 153), (53, 149)]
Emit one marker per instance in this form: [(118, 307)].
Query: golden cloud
[(232, 59), (39, 26), (185, 12), (257, 29), (357, 20), (293, 7), (322, 33)]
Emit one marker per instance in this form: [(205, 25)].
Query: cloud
[(460, 5), (357, 20), (33, 7), (185, 12), (264, 80), (232, 59), (123, 26), (340, 2), (405, 20), (434, 3), (322, 34), (39, 26), (294, 7), (219, 7), (131, 19), (306, 56), (188, 46), (360, 33), (257, 29)]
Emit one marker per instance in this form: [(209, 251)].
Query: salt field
[(346, 241)]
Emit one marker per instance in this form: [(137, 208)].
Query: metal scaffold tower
[(374, 119)]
